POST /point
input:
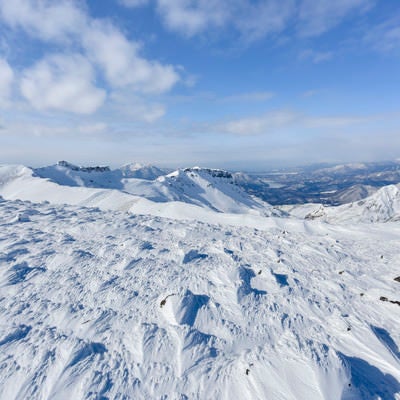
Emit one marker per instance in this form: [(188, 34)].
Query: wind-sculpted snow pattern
[(109, 305)]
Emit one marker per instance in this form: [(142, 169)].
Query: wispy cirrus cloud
[(258, 125), (384, 37), (284, 120), (254, 20), (317, 17)]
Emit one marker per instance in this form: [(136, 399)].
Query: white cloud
[(280, 120), (191, 17), (6, 81), (64, 83), (104, 43), (121, 62), (151, 113), (46, 19), (254, 20), (263, 124)]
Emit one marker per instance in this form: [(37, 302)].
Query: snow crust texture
[(101, 304)]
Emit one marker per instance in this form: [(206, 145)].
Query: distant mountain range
[(304, 193), (329, 185)]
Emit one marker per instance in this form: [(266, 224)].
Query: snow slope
[(106, 305)]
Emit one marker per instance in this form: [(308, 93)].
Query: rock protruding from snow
[(317, 213), (73, 167), (182, 309)]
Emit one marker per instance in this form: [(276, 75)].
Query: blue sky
[(241, 84)]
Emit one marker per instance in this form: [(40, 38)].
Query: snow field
[(104, 304)]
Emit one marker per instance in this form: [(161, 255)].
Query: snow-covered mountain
[(329, 185), (382, 206), (109, 305), (65, 173), (214, 188), (64, 183), (353, 193)]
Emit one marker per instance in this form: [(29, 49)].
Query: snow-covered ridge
[(191, 192), (19, 182), (209, 189)]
